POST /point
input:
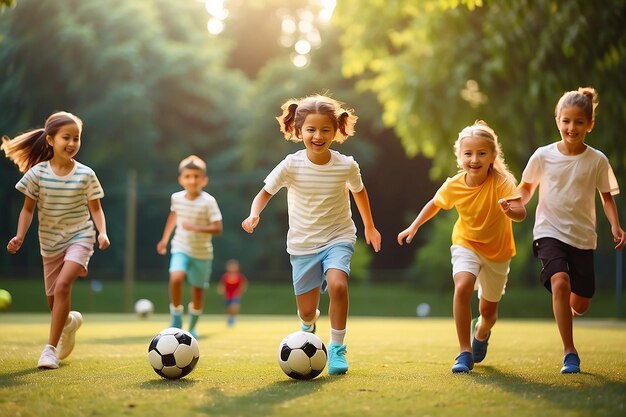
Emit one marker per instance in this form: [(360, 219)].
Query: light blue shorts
[(309, 271), (198, 271)]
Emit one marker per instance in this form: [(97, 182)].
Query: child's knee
[(579, 305)]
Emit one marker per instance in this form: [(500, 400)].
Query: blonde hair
[(192, 162), (30, 148), (585, 97), (480, 129), (295, 112)]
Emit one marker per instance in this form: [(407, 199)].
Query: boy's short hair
[(192, 162)]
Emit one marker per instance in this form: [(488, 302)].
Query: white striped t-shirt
[(318, 200), (63, 212), (203, 210)]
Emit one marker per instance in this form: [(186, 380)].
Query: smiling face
[(476, 156), (65, 142), (317, 133), (573, 124)]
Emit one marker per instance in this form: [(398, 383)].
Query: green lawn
[(398, 367)]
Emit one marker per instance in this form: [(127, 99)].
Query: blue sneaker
[(309, 328), (571, 364), (479, 347), (337, 364), (464, 363)]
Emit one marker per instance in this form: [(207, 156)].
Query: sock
[(337, 336), (177, 316), (307, 325), (231, 319), (194, 315)]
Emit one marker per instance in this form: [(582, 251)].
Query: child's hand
[(103, 241), (14, 244), (250, 223), (162, 247), (407, 234), (187, 225), (619, 237), (373, 237), (506, 206)]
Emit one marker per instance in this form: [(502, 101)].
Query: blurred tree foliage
[(438, 65)]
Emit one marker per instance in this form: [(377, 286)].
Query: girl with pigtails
[(321, 235)]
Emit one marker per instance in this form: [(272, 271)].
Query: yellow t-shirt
[(482, 225)]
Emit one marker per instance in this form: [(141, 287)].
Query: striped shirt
[(63, 212), (318, 200), (202, 211)]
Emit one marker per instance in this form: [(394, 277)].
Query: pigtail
[(287, 120), (345, 125), (28, 149)]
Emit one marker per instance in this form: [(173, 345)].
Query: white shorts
[(490, 276)]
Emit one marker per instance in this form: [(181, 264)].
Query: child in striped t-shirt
[(67, 195), (194, 218), (321, 233)]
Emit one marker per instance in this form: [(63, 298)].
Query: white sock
[(337, 336)]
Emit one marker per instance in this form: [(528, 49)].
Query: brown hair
[(30, 148), (295, 112), (585, 97)]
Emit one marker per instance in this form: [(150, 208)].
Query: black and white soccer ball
[(144, 307), (173, 353), (302, 355)]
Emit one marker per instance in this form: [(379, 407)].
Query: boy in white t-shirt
[(568, 173), (197, 218)]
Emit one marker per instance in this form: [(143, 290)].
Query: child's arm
[(170, 223), (428, 212), (23, 223), (526, 190), (514, 209), (214, 228), (372, 236), (258, 204), (97, 214), (610, 209)]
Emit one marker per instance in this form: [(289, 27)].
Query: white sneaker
[(48, 358), (67, 341)]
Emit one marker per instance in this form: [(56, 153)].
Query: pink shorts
[(52, 265)]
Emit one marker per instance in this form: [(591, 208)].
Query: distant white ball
[(173, 353), (302, 355), (423, 310), (144, 308)]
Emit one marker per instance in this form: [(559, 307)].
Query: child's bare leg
[(561, 292), (307, 305), (61, 300), (338, 295), (488, 315), (197, 297), (177, 278), (462, 308), (579, 304)]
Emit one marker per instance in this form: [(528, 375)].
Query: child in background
[(486, 200), (232, 286), (321, 233), (568, 173), (196, 218), (67, 195)]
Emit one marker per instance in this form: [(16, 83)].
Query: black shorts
[(556, 256)]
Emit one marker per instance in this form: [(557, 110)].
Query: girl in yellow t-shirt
[(486, 199)]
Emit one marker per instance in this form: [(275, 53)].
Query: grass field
[(398, 367)]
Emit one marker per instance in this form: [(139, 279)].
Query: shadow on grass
[(167, 384), (13, 379), (262, 401), (589, 393)]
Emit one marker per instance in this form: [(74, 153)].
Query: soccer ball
[(144, 308), (423, 310), (5, 300), (173, 353), (302, 355)]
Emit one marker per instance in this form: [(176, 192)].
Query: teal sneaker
[(337, 363), (479, 347), (463, 363), (571, 364)]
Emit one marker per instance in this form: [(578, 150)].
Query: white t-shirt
[(567, 191), (62, 207), (203, 210), (318, 200)]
